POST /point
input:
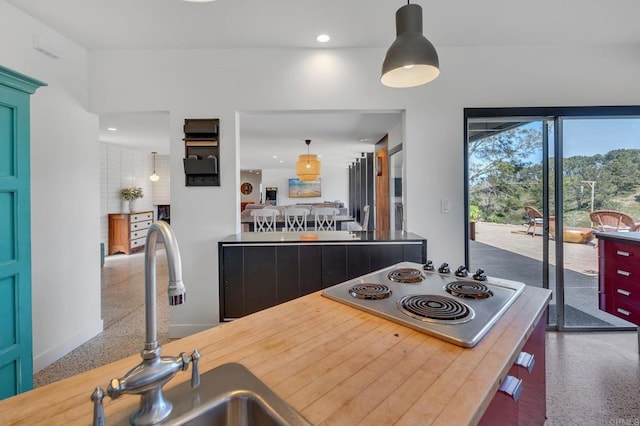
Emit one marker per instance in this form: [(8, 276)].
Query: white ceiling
[(129, 24), (176, 24)]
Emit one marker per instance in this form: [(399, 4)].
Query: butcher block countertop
[(334, 364)]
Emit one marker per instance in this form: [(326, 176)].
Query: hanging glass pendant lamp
[(154, 177), (411, 60), (308, 166)]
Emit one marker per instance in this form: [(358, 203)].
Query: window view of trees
[(505, 174)]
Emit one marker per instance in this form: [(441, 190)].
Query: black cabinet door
[(232, 281), (259, 278), (358, 260), (334, 265), (310, 263), (383, 255), (414, 253), (288, 273)]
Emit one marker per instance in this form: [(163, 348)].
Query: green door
[(16, 359)]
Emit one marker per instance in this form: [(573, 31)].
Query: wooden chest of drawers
[(619, 275), (127, 232)]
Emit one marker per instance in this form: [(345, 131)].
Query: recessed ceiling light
[(274, 156), (363, 139), (199, 1), (323, 38), (112, 129), (282, 161)]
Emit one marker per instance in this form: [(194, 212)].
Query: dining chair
[(325, 218), (295, 219), (362, 226), (264, 220)]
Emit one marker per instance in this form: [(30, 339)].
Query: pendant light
[(411, 60), (308, 166), (154, 177)]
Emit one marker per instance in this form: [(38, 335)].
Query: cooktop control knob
[(429, 266), (480, 275), (461, 271), (444, 268)]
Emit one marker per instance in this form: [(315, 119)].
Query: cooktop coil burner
[(406, 275), (370, 291), (434, 308), (468, 290)]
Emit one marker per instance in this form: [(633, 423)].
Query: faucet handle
[(195, 369), (98, 410)]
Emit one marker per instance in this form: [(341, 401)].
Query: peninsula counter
[(262, 269)]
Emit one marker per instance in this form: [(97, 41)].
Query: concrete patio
[(507, 251)]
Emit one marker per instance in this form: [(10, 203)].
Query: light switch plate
[(444, 206)]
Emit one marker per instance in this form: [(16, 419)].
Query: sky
[(599, 136), (592, 136)]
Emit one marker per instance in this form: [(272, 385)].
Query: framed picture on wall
[(299, 189)]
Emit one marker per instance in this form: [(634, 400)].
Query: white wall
[(227, 81), (65, 201), (333, 181)]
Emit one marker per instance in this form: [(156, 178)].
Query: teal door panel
[(16, 351)]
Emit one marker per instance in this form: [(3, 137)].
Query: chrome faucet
[(147, 378)]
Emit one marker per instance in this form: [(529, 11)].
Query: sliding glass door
[(601, 171), (533, 177), (508, 200)]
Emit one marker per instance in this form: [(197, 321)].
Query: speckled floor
[(592, 378), (123, 318)]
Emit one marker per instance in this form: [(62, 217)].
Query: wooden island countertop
[(333, 363)]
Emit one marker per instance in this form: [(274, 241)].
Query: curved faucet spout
[(176, 292), (148, 377)]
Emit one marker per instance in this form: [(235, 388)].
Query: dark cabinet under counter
[(258, 270)]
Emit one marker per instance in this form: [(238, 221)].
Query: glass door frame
[(555, 115)]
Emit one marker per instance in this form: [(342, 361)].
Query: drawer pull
[(623, 311), (512, 386), (526, 360), (624, 273), (623, 292), (623, 253)]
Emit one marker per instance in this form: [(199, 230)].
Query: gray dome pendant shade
[(411, 60)]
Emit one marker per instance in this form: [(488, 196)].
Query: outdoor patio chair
[(611, 220), (535, 219)]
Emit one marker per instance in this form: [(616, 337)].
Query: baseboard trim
[(178, 331), (56, 352)]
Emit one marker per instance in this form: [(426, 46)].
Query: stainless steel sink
[(227, 395)]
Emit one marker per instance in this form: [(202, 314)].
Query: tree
[(501, 171), (505, 175)]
